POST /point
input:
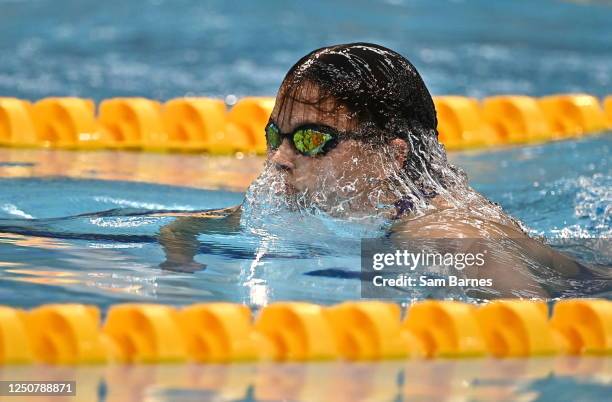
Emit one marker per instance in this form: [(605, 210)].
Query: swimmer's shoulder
[(451, 223), (441, 224), (444, 219)]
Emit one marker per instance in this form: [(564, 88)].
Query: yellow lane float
[(203, 124), (14, 345), (133, 123), (66, 334), (515, 119), (298, 331), (517, 328), (222, 332), (145, 333), (250, 115), (200, 124), (573, 114), (16, 124), (460, 123), (608, 110), (370, 331), (585, 324), (66, 123), (446, 328)]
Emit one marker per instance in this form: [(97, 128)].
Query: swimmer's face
[(349, 170)]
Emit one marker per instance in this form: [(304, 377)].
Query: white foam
[(13, 210)]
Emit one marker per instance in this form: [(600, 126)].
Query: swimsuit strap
[(402, 206), (405, 205)]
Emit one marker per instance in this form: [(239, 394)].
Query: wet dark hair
[(382, 90), (376, 83)]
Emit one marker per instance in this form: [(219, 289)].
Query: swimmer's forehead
[(307, 103)]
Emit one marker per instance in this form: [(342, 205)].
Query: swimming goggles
[(309, 139)]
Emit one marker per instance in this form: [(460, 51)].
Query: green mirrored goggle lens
[(273, 136), (309, 141)]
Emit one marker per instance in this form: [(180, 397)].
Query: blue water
[(168, 48), (562, 189), (96, 241)]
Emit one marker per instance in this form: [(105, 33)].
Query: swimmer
[(353, 134)]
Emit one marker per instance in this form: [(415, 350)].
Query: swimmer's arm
[(179, 239), (510, 275)]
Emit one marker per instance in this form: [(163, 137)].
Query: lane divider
[(250, 115), (14, 337), (608, 109), (66, 122), (460, 123), (298, 331), (66, 334), (132, 123), (518, 328), (221, 333), (206, 125), (200, 124), (371, 331), (448, 329), (515, 119), (585, 327), (16, 124), (570, 115)]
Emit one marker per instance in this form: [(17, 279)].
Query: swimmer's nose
[(284, 156)]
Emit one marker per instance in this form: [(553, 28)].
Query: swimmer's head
[(349, 117)]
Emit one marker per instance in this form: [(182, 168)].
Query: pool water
[(561, 379), (167, 48), (96, 240)]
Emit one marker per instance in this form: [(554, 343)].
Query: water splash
[(594, 202), (344, 207)]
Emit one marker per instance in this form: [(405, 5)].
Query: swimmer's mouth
[(282, 185), (287, 186)]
